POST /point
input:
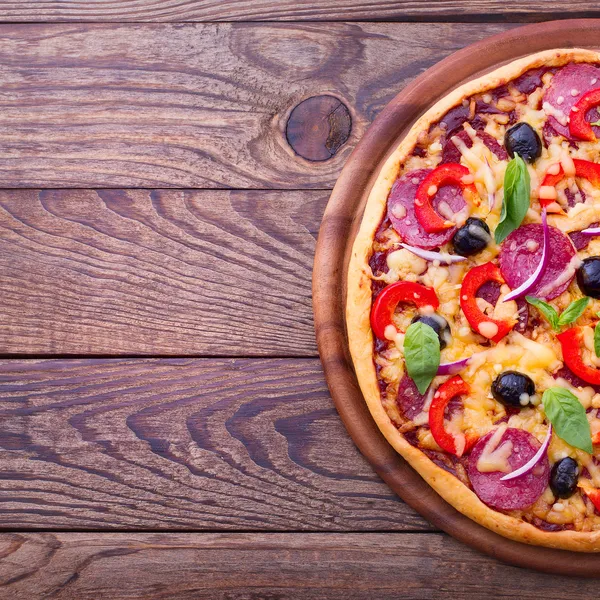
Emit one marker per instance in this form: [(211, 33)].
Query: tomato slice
[(402, 291)]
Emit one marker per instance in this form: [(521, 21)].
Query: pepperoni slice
[(521, 253), (450, 153), (580, 240), (401, 210), (409, 400), (517, 493), (566, 88)]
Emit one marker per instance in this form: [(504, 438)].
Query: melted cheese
[(495, 457)]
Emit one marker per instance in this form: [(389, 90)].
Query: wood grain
[(287, 10), (114, 272), (242, 444), (195, 106), (80, 566)]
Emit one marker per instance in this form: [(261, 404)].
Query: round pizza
[(473, 301)]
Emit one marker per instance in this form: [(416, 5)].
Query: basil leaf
[(573, 311), (548, 311), (597, 339), (516, 198), (567, 414), (422, 354)]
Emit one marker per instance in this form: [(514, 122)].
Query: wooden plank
[(287, 10), (115, 272), (183, 444), (200, 106), (87, 566)]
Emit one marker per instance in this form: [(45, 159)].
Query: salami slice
[(580, 240), (517, 493), (401, 210), (521, 253), (409, 400), (566, 88), (450, 153)]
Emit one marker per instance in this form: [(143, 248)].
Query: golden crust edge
[(360, 338)]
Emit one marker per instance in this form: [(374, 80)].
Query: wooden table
[(166, 430)]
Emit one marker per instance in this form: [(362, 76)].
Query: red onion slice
[(456, 366), (431, 256), (591, 231), (535, 277), (530, 464)]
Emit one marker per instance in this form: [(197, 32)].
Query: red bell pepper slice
[(446, 174), (578, 126), (583, 168), (455, 386), (493, 329), (401, 291), (592, 493), (571, 341)]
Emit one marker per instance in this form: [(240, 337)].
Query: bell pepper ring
[(493, 329), (446, 174), (385, 304), (456, 444), (578, 126), (591, 492), (571, 342), (555, 174)]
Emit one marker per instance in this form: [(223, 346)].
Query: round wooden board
[(340, 224)]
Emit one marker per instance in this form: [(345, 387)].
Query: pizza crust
[(360, 337)]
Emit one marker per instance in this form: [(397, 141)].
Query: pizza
[(473, 299)]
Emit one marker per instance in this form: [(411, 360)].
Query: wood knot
[(318, 127)]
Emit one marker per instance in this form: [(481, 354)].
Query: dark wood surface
[(289, 10), (222, 471)]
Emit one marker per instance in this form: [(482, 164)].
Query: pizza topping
[(581, 239), (409, 400), (570, 83), (493, 329), (512, 494), (455, 146), (401, 202), (567, 168), (386, 303), (579, 127), (456, 443), (455, 367), (563, 477), (440, 257), (518, 262), (450, 174), (523, 139), (533, 246), (588, 276), (438, 324), (472, 237), (495, 455), (512, 388), (517, 190), (421, 354), (532, 462), (571, 342)]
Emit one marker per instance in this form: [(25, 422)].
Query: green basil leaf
[(516, 198), (597, 339), (548, 311), (573, 311), (422, 354), (567, 415)]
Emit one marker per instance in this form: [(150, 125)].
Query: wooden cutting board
[(340, 224)]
